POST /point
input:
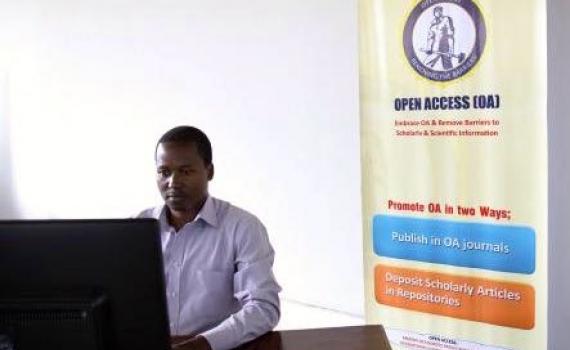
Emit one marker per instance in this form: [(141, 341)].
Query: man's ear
[(210, 172)]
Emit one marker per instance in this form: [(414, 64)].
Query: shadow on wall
[(7, 200)]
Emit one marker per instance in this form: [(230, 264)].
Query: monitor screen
[(82, 284)]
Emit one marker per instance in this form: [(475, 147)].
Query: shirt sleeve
[(255, 288)]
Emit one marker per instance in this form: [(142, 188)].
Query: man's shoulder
[(150, 213), (247, 233), (233, 213)]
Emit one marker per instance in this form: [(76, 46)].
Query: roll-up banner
[(454, 157)]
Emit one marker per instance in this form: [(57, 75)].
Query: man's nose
[(174, 179)]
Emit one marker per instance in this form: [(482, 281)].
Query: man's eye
[(163, 172)]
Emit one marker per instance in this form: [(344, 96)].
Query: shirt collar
[(207, 214)]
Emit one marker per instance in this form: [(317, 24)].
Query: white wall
[(92, 84), (7, 209), (88, 86), (559, 170)]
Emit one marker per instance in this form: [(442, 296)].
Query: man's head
[(438, 11), (183, 168)]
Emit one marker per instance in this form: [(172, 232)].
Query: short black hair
[(189, 134)]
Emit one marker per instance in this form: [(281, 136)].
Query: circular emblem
[(444, 39)]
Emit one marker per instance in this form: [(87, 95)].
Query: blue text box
[(504, 248)]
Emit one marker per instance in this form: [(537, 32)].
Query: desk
[(341, 338)]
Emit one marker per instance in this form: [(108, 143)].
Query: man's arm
[(450, 26), (190, 343), (255, 288), (430, 41)]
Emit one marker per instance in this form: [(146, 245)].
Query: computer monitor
[(82, 285)]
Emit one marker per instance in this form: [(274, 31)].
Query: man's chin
[(177, 205)]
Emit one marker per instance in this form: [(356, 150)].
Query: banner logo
[(444, 39)]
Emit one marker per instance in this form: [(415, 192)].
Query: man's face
[(438, 12), (182, 176)]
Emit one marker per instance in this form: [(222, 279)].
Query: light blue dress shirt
[(219, 278)]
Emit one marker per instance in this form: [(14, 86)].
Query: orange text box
[(476, 299)]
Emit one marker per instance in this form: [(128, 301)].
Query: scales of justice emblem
[(444, 39)]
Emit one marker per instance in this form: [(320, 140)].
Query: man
[(441, 40), (221, 291)]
